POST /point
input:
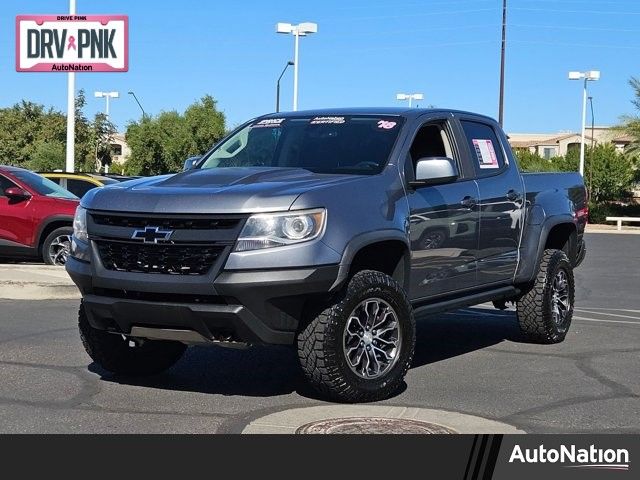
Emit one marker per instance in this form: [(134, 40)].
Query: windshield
[(325, 144), (42, 185)]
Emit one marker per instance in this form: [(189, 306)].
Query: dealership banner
[(72, 43), (441, 457)]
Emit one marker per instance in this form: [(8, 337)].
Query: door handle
[(468, 202), (513, 196)]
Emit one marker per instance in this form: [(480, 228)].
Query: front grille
[(158, 258), (176, 223)]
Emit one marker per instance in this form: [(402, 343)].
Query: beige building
[(120, 151), (549, 145)]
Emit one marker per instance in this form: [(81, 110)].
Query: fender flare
[(369, 238), (532, 249)]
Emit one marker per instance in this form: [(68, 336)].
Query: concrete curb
[(24, 281), (600, 228), (37, 291), (288, 421)]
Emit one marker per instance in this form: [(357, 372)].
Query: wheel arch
[(557, 232), (384, 251), (48, 226)]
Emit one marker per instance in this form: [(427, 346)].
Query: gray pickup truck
[(328, 230)]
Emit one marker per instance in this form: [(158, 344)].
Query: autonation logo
[(574, 457)]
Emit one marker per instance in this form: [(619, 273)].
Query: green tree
[(47, 156), (631, 123), (23, 127), (162, 143), (102, 132), (532, 162), (33, 136), (610, 175)]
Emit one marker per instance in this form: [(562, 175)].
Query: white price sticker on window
[(486, 153)]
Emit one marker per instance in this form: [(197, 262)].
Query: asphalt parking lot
[(471, 361)]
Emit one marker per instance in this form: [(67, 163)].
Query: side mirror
[(190, 162), (435, 171), (17, 193)]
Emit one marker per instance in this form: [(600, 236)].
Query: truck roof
[(397, 111)]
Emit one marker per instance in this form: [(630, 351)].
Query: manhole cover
[(372, 425)]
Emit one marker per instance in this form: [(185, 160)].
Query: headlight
[(80, 225), (278, 229)]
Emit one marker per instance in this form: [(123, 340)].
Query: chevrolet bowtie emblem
[(151, 234)]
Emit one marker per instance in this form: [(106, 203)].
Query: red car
[(36, 216)]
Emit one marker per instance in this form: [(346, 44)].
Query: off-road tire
[(320, 347), (534, 308), (46, 245), (114, 353)]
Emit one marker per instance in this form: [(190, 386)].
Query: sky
[(364, 53)]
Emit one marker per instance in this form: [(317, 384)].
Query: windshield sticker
[(268, 122), (327, 120), (386, 125), (486, 153)]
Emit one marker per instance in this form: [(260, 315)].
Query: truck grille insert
[(158, 258), (177, 223)]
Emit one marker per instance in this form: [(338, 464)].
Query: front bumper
[(262, 306)]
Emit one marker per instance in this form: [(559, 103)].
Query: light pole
[(502, 54), (138, 102), (300, 30), (289, 63), (410, 97), (593, 121), (71, 110), (589, 76), (107, 96)]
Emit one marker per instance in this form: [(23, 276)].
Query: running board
[(449, 304)]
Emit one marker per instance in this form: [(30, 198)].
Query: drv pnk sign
[(72, 43)]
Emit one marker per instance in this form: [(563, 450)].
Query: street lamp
[(300, 30), (107, 96), (589, 76), (593, 123), (138, 102), (289, 63), (410, 97)]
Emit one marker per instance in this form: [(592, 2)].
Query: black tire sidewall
[(362, 288), (49, 239), (558, 261)]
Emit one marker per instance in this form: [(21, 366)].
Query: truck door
[(444, 219), (501, 200)]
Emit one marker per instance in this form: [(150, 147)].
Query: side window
[(79, 187), (486, 151), (4, 184), (432, 140), (57, 180)]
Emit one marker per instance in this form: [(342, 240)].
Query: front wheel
[(359, 348), (545, 311), (127, 356), (57, 246)]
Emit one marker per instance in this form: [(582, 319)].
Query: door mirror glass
[(435, 171), (190, 162), (17, 193)]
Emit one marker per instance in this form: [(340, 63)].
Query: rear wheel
[(546, 310), (57, 246), (127, 356), (359, 348)]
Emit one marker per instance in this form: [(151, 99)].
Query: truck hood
[(223, 190)]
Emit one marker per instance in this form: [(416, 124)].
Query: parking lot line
[(608, 314), (585, 319)]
